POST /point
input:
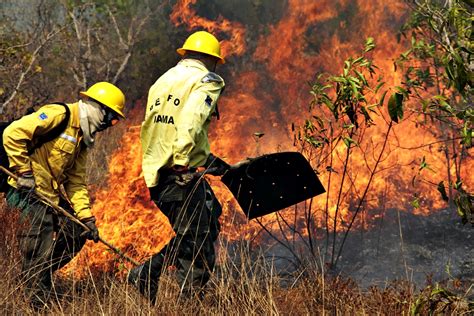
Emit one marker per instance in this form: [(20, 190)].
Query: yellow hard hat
[(202, 42), (108, 95)]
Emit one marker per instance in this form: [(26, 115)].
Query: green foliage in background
[(51, 50), (438, 71), (345, 98), (437, 300), (342, 109)]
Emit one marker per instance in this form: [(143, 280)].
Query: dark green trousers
[(193, 212), (47, 242)]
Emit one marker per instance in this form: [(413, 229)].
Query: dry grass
[(247, 284)]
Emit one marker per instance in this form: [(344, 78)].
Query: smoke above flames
[(273, 50)]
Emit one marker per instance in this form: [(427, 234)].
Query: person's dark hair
[(195, 55)]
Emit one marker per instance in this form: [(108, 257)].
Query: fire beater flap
[(270, 183)]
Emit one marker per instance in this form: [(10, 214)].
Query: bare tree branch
[(117, 29), (77, 60), (131, 40), (24, 73)]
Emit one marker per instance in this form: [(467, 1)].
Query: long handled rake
[(62, 211)]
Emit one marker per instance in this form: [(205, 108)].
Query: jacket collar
[(74, 107), (189, 62)]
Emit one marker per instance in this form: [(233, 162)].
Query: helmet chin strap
[(91, 118)]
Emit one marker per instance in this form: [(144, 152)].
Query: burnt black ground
[(399, 246), (436, 247)]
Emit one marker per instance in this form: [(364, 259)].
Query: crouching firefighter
[(175, 143), (48, 151)]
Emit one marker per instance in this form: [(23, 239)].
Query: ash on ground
[(400, 246), (407, 246)]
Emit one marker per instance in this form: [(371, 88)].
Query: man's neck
[(209, 63)]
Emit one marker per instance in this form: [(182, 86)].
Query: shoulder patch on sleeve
[(208, 101), (212, 77)]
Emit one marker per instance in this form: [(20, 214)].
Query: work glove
[(182, 175), (93, 233), (26, 181), (177, 169), (216, 166)]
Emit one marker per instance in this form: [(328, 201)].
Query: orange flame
[(184, 14), (268, 101)]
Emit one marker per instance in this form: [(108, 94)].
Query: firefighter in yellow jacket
[(57, 165), (174, 140)]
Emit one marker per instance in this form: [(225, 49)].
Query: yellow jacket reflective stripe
[(61, 161), (179, 109)]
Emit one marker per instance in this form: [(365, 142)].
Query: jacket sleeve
[(198, 108), (76, 187), (20, 134)]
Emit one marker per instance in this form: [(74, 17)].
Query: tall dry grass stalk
[(246, 281)]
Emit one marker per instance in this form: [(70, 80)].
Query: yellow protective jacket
[(179, 109), (61, 161)]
